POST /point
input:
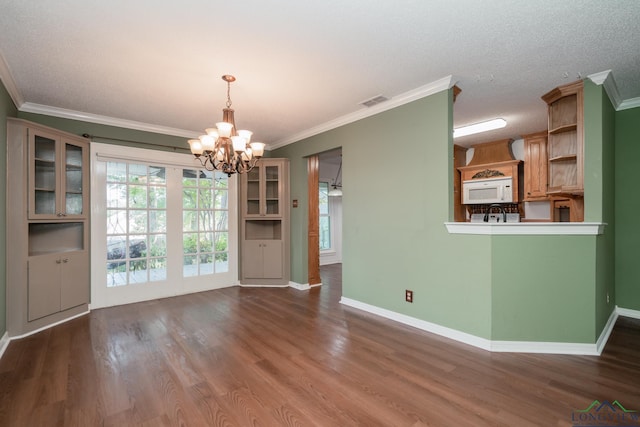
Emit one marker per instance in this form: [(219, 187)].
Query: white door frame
[(175, 284)]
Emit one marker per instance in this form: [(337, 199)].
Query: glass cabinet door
[(57, 182), (262, 190), (272, 190), (73, 173), (44, 176), (252, 196)]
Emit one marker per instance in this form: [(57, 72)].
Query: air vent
[(373, 101)]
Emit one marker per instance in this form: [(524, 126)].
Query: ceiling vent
[(373, 101)]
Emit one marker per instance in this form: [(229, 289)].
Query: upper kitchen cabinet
[(565, 143), (535, 166), (58, 175)]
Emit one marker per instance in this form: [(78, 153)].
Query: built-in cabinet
[(565, 139), (535, 166), (264, 223), (47, 225)]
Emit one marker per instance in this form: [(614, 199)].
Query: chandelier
[(225, 149)]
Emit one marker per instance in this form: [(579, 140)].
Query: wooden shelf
[(561, 129), (567, 157)]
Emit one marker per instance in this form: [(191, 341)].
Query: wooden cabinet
[(52, 283), (47, 225), (535, 166), (459, 159), (565, 143), (567, 209), (265, 259), (264, 224)]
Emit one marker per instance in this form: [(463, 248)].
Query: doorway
[(325, 211)]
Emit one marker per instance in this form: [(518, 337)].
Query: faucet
[(495, 205)]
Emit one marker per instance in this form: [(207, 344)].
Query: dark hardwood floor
[(282, 357)]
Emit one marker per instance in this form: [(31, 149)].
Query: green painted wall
[(627, 207), (7, 109), (393, 217), (543, 288), (599, 132)]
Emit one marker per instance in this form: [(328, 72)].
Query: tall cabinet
[(47, 226), (264, 223)]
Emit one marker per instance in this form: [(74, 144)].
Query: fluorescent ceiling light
[(479, 127)]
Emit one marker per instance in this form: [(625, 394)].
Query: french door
[(161, 226)]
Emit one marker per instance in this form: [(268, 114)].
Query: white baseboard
[(606, 332), (625, 312), (594, 349), (4, 343), (44, 328), (303, 287), (454, 334), (249, 285)]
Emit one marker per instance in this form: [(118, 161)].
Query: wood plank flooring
[(282, 357)]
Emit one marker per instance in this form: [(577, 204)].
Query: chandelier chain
[(228, 94)]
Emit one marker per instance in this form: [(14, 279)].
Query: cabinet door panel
[(74, 179), (43, 175), (272, 259), (535, 166), (252, 259), (44, 286), (74, 284)]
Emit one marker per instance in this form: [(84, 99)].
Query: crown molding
[(629, 103), (30, 107), (9, 83), (605, 78), (404, 98)]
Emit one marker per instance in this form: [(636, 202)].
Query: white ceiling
[(301, 64)]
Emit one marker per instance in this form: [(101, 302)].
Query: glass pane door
[(136, 245)]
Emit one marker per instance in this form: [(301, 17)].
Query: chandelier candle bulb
[(208, 143), (239, 143), (257, 148), (196, 147), (224, 129)]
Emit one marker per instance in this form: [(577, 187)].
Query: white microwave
[(489, 190)]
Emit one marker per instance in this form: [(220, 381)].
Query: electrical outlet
[(408, 295), (607, 297)]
